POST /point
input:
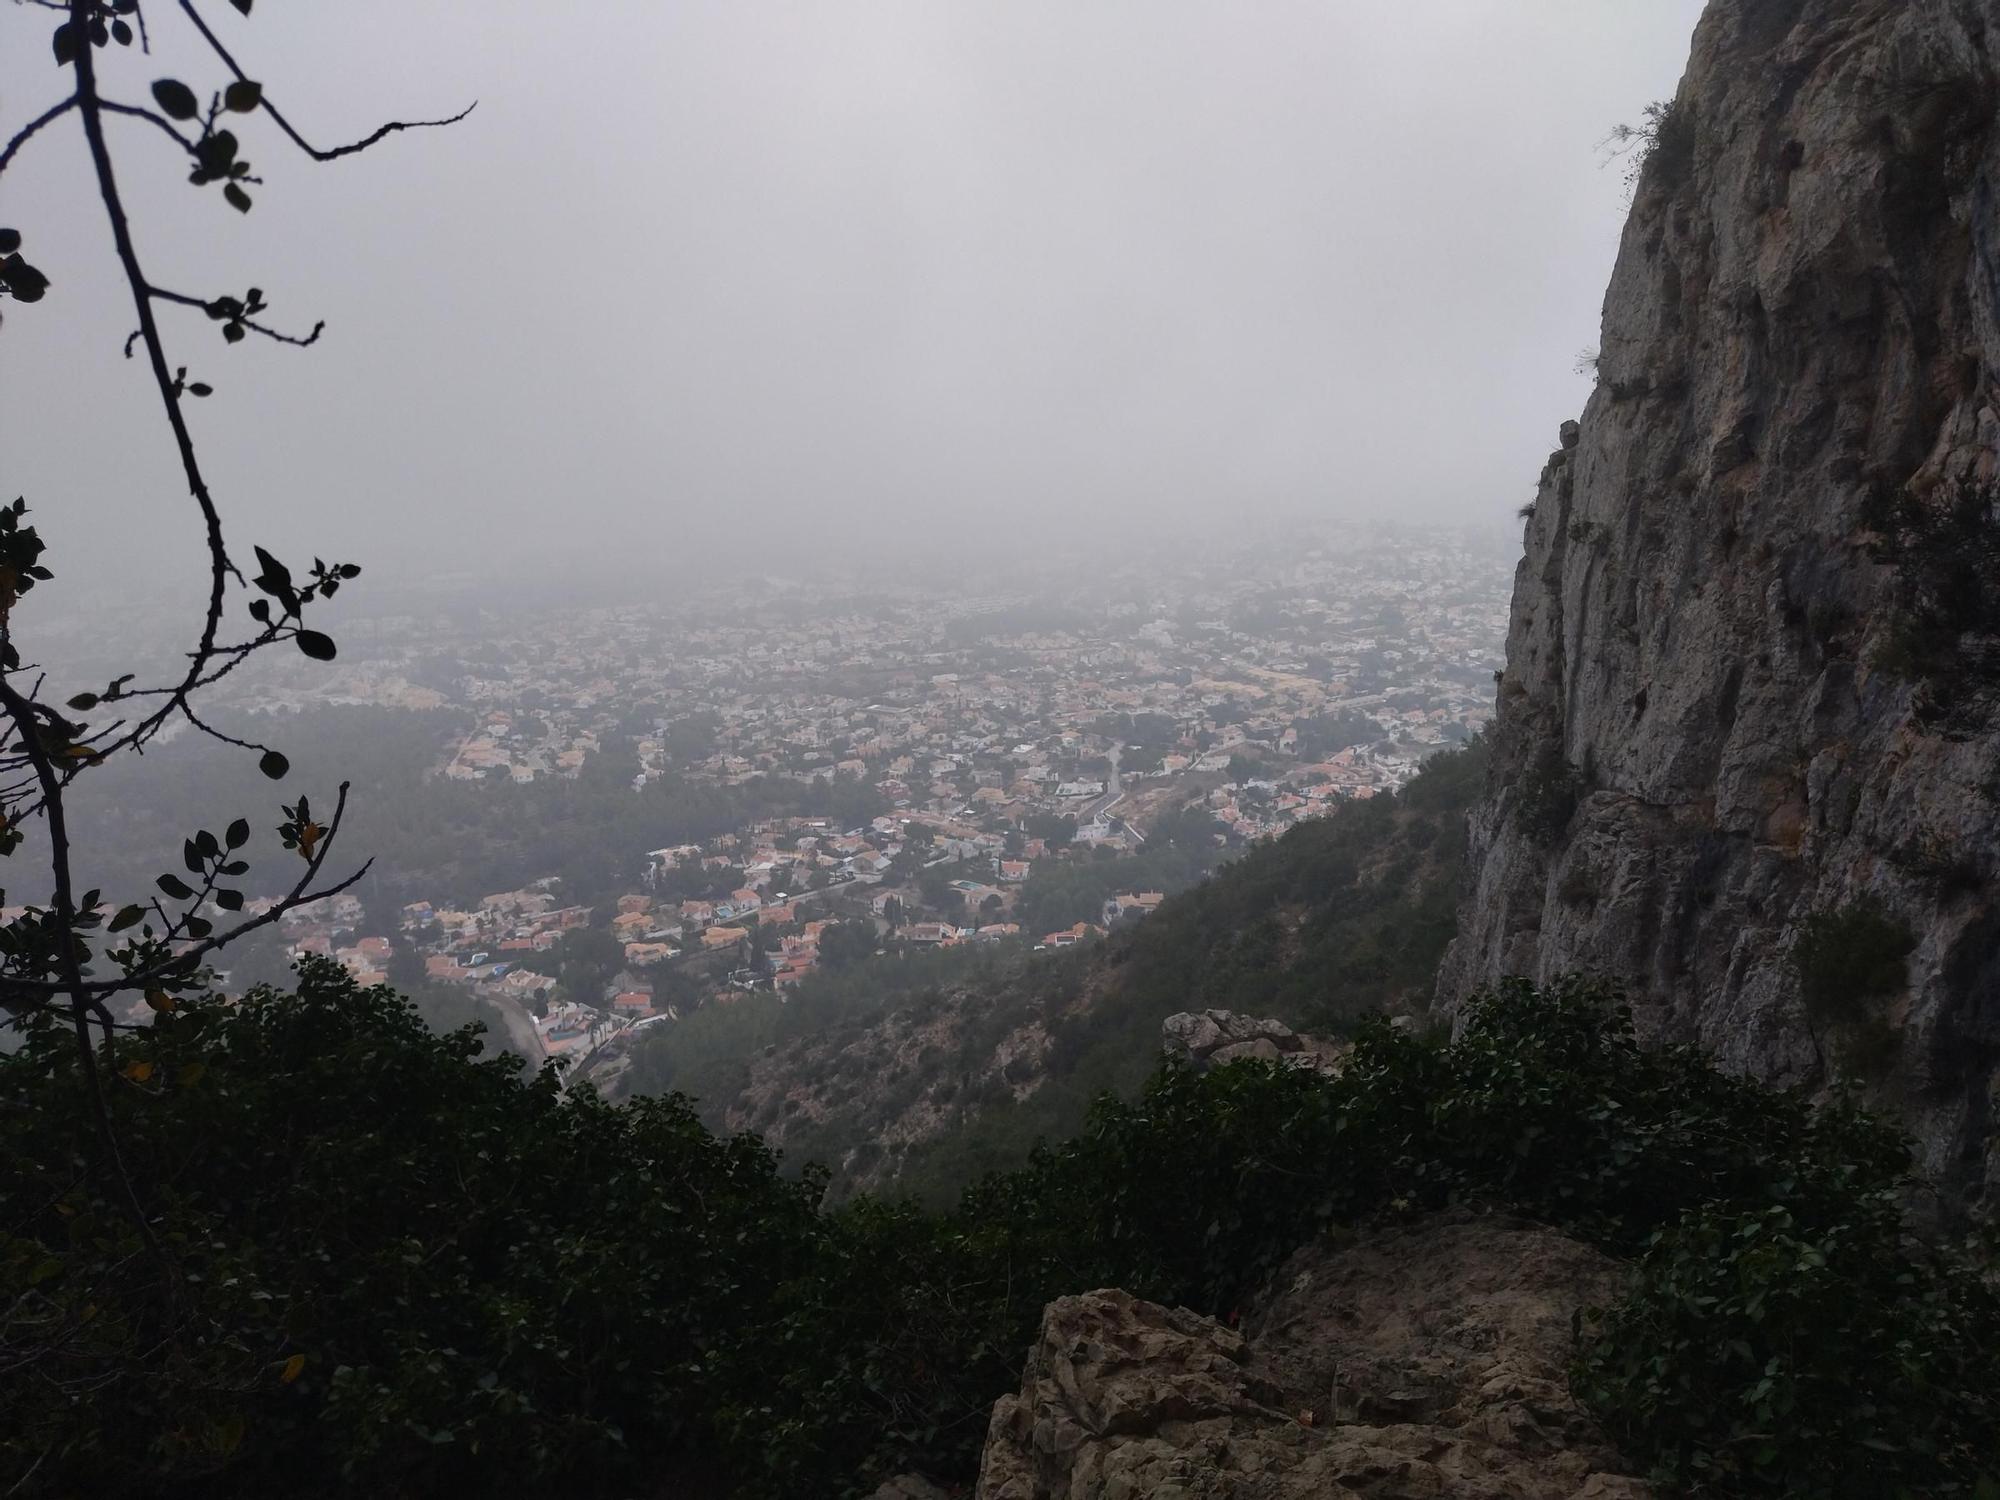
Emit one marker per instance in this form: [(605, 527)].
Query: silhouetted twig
[(286, 125)]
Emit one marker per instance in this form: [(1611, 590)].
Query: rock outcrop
[(1209, 1038), (1715, 732), (1412, 1364)]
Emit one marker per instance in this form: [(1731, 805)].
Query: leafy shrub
[(1775, 1351), (1663, 140), (1546, 797), (1848, 957), (1943, 865), (392, 1265), (1580, 885), (1945, 635), (489, 1286)]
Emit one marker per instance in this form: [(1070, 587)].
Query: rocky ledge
[(1409, 1363), (1209, 1038)]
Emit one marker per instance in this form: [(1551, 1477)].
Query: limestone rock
[(1210, 1038), (1413, 1364), (1699, 744)]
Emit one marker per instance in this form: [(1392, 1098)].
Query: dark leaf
[(83, 702), (243, 96), (128, 916), (274, 765), (237, 834), (23, 280), (10, 241), (260, 609), (233, 332), (198, 927), (240, 201), (275, 578), (177, 100), (64, 40), (229, 900), (242, 5), (174, 886), (201, 388), (206, 843), (121, 33), (318, 647), (191, 857)]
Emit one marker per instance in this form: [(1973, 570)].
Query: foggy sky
[(742, 280)]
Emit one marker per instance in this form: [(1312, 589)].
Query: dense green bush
[(486, 1284), (390, 1265), (1780, 1351)]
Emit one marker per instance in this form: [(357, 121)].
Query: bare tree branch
[(206, 305), (286, 125), (301, 894), (220, 567), (27, 131), (22, 712), (146, 114)]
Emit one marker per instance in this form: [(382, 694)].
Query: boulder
[(1210, 1038), (1412, 1363)]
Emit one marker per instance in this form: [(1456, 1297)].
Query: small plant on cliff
[(1847, 961), (1945, 635), (1581, 886), (1546, 797), (1663, 140), (1848, 957)]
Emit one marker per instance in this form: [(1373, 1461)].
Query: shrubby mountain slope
[(963, 1061), (1746, 749)]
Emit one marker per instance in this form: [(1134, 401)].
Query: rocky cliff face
[(1749, 694)]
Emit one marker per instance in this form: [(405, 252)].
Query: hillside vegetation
[(387, 1266)]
